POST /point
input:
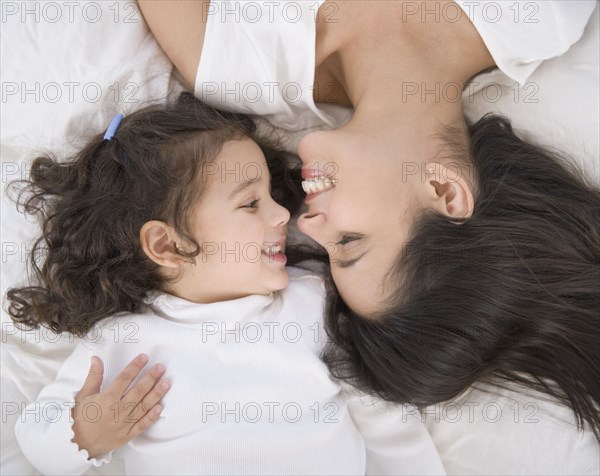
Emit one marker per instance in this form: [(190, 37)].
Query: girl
[(162, 236)]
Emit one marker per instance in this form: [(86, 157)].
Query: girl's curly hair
[(88, 263)]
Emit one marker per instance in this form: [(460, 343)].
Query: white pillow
[(558, 106)]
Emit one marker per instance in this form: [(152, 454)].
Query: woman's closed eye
[(348, 243), (346, 239)]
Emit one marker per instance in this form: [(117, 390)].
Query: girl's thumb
[(94, 378)]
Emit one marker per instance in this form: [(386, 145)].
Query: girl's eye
[(252, 204)]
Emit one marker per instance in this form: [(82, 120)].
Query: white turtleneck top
[(249, 395)]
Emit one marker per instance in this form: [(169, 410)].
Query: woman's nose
[(313, 225), (308, 145)]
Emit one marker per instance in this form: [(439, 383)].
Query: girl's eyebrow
[(243, 186)]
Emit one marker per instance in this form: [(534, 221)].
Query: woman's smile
[(316, 182)]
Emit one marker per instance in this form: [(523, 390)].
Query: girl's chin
[(279, 283)]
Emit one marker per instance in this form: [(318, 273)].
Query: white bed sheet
[(69, 67), (61, 81)]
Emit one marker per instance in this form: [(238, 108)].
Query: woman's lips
[(310, 196), (312, 172)]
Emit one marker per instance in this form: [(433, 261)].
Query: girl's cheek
[(254, 224)]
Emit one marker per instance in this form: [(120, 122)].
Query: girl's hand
[(116, 415)]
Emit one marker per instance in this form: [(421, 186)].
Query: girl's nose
[(281, 216)]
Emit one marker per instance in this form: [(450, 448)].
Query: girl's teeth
[(272, 250)]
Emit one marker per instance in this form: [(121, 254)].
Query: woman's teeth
[(317, 184)]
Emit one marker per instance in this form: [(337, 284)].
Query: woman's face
[(364, 218)]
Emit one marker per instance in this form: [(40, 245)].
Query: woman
[(404, 195)]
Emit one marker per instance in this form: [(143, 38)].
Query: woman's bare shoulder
[(179, 27)]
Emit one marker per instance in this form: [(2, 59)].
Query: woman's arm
[(178, 26)]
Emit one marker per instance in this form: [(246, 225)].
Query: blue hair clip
[(112, 127)]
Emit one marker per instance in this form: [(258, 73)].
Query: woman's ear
[(159, 242), (449, 191)]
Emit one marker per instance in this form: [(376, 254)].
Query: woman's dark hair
[(88, 263), (509, 295)]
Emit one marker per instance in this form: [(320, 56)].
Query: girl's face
[(240, 228)]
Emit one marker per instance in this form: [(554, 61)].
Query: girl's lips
[(276, 258), (272, 247), (279, 255)]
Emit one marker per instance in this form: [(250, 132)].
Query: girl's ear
[(158, 241)]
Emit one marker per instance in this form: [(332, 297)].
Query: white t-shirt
[(259, 58), (250, 395)]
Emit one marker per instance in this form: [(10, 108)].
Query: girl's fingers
[(120, 384), (93, 381), (149, 401), (145, 422), (147, 383)]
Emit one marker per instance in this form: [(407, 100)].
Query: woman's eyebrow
[(351, 262), (243, 186)]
